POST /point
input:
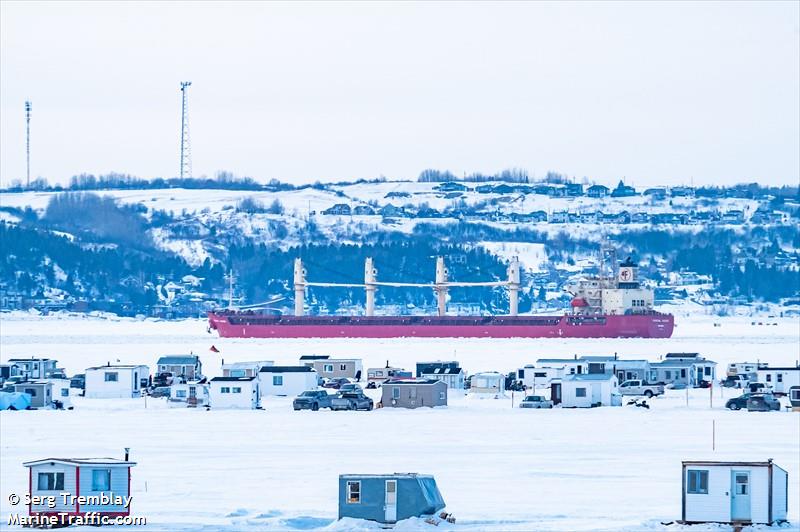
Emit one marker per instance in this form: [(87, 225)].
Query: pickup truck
[(312, 399), (535, 401), (634, 387), (351, 401)]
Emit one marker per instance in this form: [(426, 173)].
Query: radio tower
[(186, 148), (28, 108)]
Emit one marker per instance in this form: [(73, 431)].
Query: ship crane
[(441, 285)]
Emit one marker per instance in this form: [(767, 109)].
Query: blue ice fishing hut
[(388, 498)]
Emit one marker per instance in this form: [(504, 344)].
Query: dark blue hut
[(388, 498)]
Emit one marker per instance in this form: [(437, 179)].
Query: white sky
[(657, 93)]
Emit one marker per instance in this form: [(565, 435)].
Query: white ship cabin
[(244, 369), (116, 381), (491, 384), (734, 492), (234, 392), (87, 478), (628, 297)]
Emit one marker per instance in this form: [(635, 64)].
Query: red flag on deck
[(214, 349)]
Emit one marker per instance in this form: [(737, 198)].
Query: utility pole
[(186, 149), (28, 108)]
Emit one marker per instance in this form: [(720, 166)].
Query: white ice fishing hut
[(734, 492)]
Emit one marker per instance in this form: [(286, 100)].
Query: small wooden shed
[(734, 492), (100, 485), (388, 498)]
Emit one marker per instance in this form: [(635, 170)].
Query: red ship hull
[(244, 325)]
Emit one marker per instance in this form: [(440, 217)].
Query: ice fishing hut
[(388, 498), (734, 492), (87, 479)]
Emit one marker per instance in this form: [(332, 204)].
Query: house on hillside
[(79, 476), (116, 381), (413, 393), (287, 380), (754, 493), (586, 390), (234, 392), (363, 210), (340, 209), (623, 191), (597, 191), (573, 190), (451, 186), (655, 193), (559, 217), (188, 367), (390, 211)]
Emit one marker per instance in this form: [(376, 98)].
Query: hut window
[(343, 367), (112, 376), (101, 479), (51, 481), (441, 396), (353, 491), (180, 393), (697, 481), (31, 391), (64, 392), (328, 368), (780, 377), (769, 377), (225, 389), (395, 393), (237, 390), (580, 392), (277, 380)]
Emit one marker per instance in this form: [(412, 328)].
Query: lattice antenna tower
[(186, 146), (28, 108)]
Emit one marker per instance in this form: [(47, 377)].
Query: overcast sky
[(707, 92)]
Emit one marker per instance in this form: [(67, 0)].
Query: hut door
[(740, 496), (555, 393), (390, 505)]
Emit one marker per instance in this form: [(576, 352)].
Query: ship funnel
[(441, 285)]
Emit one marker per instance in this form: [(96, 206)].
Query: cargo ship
[(610, 305)]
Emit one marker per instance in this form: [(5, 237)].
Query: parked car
[(735, 381), (160, 391), (350, 387), (351, 401), (335, 383), (78, 381), (16, 379), (637, 387), (763, 403), (737, 403), (312, 399), (535, 401), (162, 379)]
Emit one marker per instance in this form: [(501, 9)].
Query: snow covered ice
[(498, 467)]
